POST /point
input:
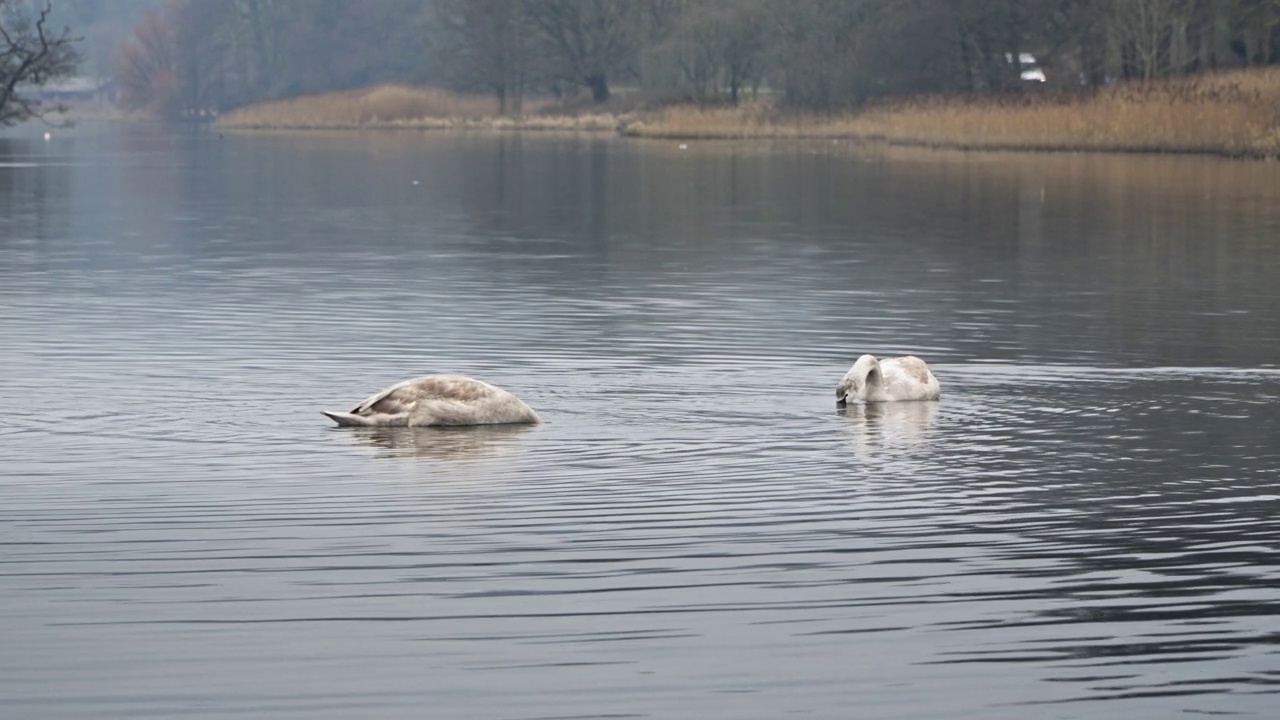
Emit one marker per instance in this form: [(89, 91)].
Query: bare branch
[(31, 55)]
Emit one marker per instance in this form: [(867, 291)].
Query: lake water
[(1087, 525)]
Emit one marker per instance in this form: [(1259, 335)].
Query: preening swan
[(901, 378), (437, 400)]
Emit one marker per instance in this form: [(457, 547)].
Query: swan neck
[(873, 387)]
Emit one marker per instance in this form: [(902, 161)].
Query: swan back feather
[(437, 400)]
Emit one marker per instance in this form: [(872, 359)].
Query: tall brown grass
[(381, 104), (1235, 113), (400, 106)]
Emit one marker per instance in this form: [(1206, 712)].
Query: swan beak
[(842, 399)]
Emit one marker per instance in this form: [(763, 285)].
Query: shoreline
[(598, 123), (1234, 115), (479, 127)]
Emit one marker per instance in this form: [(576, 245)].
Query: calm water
[(1086, 526)]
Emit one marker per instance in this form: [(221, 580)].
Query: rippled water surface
[(1087, 525)]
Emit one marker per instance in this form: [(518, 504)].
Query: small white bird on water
[(888, 380), (437, 400)]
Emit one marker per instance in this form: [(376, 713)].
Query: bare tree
[(588, 39), (1253, 28), (1072, 45), (147, 69), (693, 48), (745, 46), (257, 31), (486, 43), (1152, 35), (990, 37), (718, 45), (823, 49), (200, 37), (30, 56)]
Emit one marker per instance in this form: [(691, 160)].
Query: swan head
[(854, 384)]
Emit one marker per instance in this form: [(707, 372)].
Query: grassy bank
[(402, 107), (1236, 113)]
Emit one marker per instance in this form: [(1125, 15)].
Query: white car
[(1027, 66)]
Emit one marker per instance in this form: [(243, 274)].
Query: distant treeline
[(191, 56)]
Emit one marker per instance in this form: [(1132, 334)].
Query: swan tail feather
[(347, 419)]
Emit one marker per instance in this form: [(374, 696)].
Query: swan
[(900, 378), (437, 400)]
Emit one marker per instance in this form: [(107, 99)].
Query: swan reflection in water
[(894, 424), (443, 443)]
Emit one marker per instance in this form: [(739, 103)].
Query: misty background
[(177, 58)]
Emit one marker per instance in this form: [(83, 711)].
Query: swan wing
[(404, 396), (909, 378), (910, 368)]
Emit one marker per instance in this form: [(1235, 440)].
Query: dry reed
[(399, 107), (1235, 113)]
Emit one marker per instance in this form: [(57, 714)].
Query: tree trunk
[(966, 62), (599, 85)]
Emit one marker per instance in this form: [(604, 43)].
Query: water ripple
[(1086, 519)]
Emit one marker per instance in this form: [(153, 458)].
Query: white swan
[(901, 378), (438, 400)]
